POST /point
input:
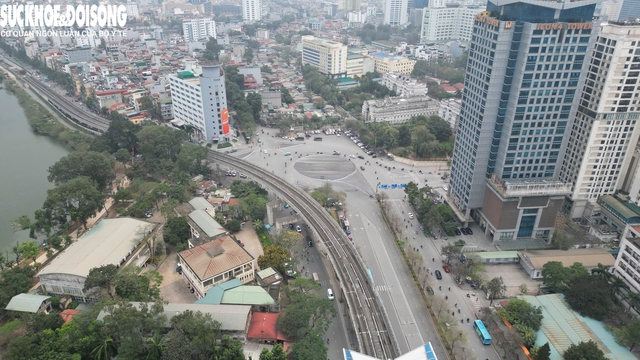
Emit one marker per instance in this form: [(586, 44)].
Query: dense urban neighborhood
[(269, 179)]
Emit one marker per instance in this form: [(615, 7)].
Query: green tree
[(590, 296), (309, 348), (176, 230), (40, 321), (543, 352), (192, 159), (439, 128), (212, 50), (254, 206), (519, 311), (233, 225), (257, 225), (584, 351), (557, 277), (96, 166), (274, 256), (629, 335), (495, 288), (277, 353), (133, 285), (77, 199), (29, 250), (122, 134), (123, 155), (14, 281), (102, 278), (560, 240)]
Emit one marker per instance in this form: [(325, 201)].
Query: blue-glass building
[(524, 77)]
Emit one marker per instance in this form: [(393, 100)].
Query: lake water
[(24, 160)]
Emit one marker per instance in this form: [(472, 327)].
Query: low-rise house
[(533, 260), (215, 262)]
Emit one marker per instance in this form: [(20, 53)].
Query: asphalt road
[(408, 315)]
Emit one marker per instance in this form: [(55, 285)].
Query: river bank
[(42, 120)]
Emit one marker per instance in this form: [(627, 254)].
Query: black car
[(291, 226), (464, 231), (457, 231), (469, 232), (360, 157), (310, 243), (362, 168), (438, 275)]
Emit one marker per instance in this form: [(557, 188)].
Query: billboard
[(224, 114)]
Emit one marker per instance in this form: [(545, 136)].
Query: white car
[(410, 215), (330, 294)]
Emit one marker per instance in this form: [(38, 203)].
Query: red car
[(446, 268)]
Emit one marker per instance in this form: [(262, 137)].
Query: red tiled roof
[(68, 314), (263, 326)]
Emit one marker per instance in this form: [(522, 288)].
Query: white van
[(330, 294)]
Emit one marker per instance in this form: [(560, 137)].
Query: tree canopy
[(584, 351), (94, 165)]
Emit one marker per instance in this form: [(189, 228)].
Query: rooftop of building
[(26, 303), (563, 327), (528, 187), (263, 325), (230, 317), (206, 223), (108, 242), (215, 257), (424, 352), (626, 209), (588, 257)]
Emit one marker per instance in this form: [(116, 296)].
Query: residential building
[(359, 65), (449, 110), (199, 99), (395, 12), (630, 10), (398, 110), (534, 260), (385, 63), (271, 97), (108, 98), (517, 107), (357, 17), (415, 17), (198, 29), (404, 85), (627, 265), (604, 133), (166, 108), (328, 56), (252, 71), (351, 5), (251, 10), (610, 10), (78, 54), (452, 22), (132, 10), (618, 212), (117, 242), (215, 262), (316, 24)]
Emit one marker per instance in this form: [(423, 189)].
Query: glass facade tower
[(522, 88)]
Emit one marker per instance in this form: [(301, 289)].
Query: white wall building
[(251, 10), (199, 99), (359, 17), (395, 12), (449, 110), (132, 10), (452, 22), (605, 132), (398, 110), (111, 242), (627, 264), (610, 9), (198, 28), (329, 57), (404, 84)]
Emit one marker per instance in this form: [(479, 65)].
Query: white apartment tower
[(395, 12), (605, 132), (198, 29), (251, 10), (451, 22), (199, 99), (132, 10)]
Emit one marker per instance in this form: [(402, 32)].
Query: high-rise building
[(329, 57), (199, 99), (610, 10), (630, 10), (132, 10), (251, 10), (351, 5), (395, 12), (452, 22), (525, 72), (604, 133), (198, 29)]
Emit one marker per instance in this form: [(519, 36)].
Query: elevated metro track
[(365, 307)]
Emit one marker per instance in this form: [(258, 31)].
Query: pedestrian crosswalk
[(397, 175), (475, 301), (381, 288)]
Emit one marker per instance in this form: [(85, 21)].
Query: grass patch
[(224, 145), (11, 326), (265, 238)]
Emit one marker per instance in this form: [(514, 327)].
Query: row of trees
[(125, 332), (247, 108), (422, 137), (430, 215)]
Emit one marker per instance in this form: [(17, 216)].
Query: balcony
[(530, 187)]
